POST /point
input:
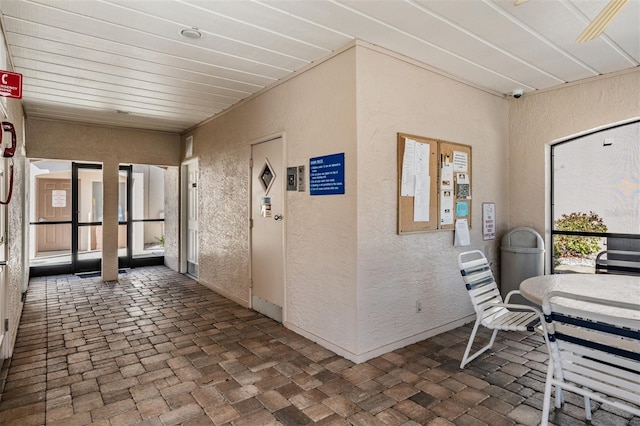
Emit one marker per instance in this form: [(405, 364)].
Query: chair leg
[(559, 397), (587, 407), (471, 338), (466, 358), (547, 396)]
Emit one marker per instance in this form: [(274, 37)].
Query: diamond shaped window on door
[(267, 176)]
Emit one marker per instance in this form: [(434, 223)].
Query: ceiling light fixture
[(600, 23), (192, 33)]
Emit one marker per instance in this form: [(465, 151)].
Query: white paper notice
[(462, 237), (421, 200), (446, 177), (422, 159), (408, 185), (423, 184), (463, 178), (58, 198), (460, 161), (446, 207)]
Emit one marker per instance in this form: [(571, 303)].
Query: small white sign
[(58, 198), (488, 221), (460, 162)]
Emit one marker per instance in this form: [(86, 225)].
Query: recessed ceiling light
[(192, 33)]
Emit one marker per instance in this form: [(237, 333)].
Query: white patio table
[(622, 288)]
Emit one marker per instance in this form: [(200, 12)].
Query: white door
[(191, 206), (267, 230)]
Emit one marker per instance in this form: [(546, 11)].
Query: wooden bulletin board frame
[(440, 152)]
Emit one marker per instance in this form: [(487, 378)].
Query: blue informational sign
[(326, 175)]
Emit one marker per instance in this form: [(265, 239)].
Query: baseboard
[(366, 356)]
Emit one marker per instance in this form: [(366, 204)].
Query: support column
[(110, 220)]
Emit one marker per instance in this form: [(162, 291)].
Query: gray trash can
[(522, 257)]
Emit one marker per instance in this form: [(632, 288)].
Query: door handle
[(278, 217)]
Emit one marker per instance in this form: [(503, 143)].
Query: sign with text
[(11, 84), (58, 198), (326, 175), (489, 221)]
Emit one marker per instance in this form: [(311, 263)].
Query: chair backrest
[(627, 246), (594, 346), (478, 278)]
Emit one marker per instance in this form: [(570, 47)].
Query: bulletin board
[(434, 184)]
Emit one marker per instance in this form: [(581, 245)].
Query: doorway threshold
[(96, 274)]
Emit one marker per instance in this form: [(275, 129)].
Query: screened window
[(595, 197)]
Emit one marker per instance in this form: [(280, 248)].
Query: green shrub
[(574, 246)]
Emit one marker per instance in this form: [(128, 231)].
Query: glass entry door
[(65, 217), (141, 215)]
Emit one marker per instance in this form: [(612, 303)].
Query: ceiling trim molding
[(586, 80)]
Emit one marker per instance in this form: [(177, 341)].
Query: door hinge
[(250, 223), (6, 324), (251, 163)]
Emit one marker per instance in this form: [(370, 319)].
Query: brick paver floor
[(158, 348)]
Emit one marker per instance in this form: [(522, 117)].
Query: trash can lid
[(522, 238)]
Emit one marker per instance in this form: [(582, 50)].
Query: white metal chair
[(490, 309), (592, 353)]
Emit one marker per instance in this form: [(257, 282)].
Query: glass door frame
[(129, 260), (126, 260), (81, 265)]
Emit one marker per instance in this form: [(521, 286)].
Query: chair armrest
[(511, 293), (513, 306)]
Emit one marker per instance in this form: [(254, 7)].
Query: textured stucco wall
[(172, 217), (396, 271), (81, 142), (15, 270), (536, 120), (315, 111)]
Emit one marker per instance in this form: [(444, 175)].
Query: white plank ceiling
[(124, 62)]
